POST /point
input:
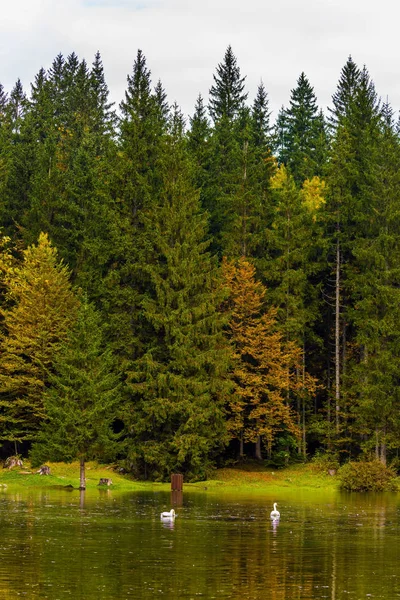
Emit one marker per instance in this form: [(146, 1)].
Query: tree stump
[(44, 470), (176, 482), (105, 481)]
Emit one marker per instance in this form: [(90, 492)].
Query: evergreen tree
[(82, 399), (16, 163), (227, 96), (162, 106), (72, 150), (300, 133), (137, 188), (175, 417), (352, 180), (260, 114), (344, 94), (199, 132), (373, 372), (36, 323)]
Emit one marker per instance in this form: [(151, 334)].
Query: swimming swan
[(170, 516), (275, 514)]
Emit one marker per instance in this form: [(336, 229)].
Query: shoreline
[(244, 478)]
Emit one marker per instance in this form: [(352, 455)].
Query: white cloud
[(184, 40)]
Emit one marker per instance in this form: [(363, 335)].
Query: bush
[(367, 476), (325, 461)]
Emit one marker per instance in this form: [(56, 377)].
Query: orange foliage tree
[(264, 367)]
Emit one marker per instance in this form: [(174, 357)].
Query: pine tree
[(175, 417), (300, 131), (72, 150), (35, 325), (260, 116), (82, 399), (142, 133), (227, 96), (162, 106), (344, 94), (15, 160), (352, 179), (374, 313)]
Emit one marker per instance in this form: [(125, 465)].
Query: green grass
[(253, 477), (248, 477), (63, 474)]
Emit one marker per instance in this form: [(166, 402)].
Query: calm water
[(57, 545)]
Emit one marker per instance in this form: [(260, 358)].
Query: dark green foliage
[(260, 125), (301, 135), (68, 134), (175, 418), (371, 476), (82, 401), (143, 129), (344, 95), (375, 291), (227, 95), (142, 210)]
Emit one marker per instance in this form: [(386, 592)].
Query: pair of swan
[(170, 516), (275, 514)]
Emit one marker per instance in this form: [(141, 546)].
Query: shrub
[(365, 476), (325, 461)]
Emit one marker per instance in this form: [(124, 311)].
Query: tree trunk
[(383, 447), (241, 445), (337, 336), (258, 448), (82, 480), (304, 404)]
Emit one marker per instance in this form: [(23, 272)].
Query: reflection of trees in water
[(114, 546)]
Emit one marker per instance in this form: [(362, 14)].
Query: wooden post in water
[(176, 482)]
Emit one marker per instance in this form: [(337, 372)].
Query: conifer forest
[(178, 294)]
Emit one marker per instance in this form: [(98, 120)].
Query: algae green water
[(105, 545)]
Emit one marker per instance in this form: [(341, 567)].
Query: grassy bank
[(250, 477)]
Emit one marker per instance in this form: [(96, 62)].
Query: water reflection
[(58, 544), (274, 525)]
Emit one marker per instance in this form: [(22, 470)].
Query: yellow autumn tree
[(264, 366), (39, 310)]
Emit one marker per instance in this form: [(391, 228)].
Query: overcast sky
[(184, 40)]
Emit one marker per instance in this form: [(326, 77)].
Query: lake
[(59, 544)]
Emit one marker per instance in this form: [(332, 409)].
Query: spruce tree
[(137, 183), (344, 94), (352, 178), (260, 116), (69, 193), (177, 383), (227, 96), (16, 165), (198, 136), (82, 399), (299, 133), (374, 313)]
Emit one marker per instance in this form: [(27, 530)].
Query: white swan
[(168, 516), (275, 514)]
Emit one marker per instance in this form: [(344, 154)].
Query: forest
[(179, 294)]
